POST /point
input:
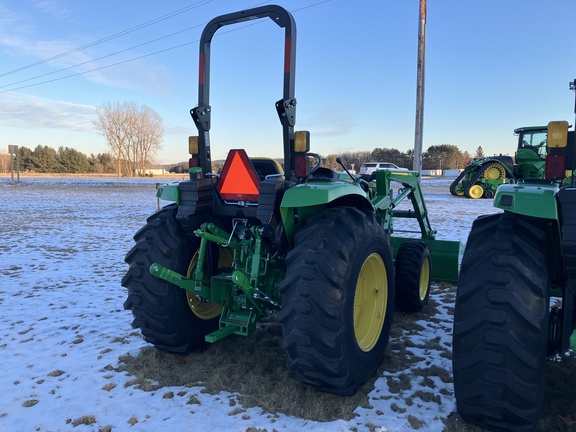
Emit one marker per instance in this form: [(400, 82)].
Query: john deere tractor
[(515, 299), (481, 177), (313, 246)]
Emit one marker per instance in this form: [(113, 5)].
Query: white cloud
[(31, 112), (20, 38)]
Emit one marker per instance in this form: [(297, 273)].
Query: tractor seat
[(266, 167), (323, 173)]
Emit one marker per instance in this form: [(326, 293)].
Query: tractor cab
[(533, 139), (531, 152)]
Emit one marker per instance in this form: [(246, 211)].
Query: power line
[(102, 57), (114, 36), (135, 58)]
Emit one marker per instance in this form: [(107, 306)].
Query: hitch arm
[(177, 279)]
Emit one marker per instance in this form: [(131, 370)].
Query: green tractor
[(313, 246), (480, 178), (515, 302)]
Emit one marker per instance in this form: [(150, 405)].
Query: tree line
[(442, 156), (134, 134), (45, 159)]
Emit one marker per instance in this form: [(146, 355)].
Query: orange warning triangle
[(238, 181)]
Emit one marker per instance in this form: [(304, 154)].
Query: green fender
[(538, 200), (301, 201), (169, 192)]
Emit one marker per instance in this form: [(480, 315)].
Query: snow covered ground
[(63, 327)]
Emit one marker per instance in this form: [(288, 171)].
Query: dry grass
[(253, 368)]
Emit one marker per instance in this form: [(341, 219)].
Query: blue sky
[(491, 66)]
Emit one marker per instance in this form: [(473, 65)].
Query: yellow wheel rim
[(495, 172), (476, 191), (370, 301), (206, 310), (424, 279), (459, 192)]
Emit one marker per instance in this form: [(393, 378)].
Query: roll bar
[(286, 107)]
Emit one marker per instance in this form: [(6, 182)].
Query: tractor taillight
[(193, 162), (301, 167)]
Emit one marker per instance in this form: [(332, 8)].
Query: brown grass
[(254, 369)]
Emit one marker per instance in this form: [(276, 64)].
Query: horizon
[(490, 68)]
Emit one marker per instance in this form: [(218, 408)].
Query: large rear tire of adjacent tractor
[(169, 319), (413, 269), (501, 323), (337, 300)]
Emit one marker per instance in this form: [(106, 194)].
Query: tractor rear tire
[(501, 323), (161, 310), (494, 171), (337, 300), (413, 269)]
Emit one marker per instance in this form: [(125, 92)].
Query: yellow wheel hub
[(459, 192), (476, 192), (370, 302), (424, 279), (495, 172), (206, 310)]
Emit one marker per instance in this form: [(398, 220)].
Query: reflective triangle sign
[(239, 180)]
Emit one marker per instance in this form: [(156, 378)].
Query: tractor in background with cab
[(480, 178)]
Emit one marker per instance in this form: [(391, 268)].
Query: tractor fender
[(537, 200), (304, 200)]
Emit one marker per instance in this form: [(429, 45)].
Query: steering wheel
[(319, 161)]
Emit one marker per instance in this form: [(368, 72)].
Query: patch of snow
[(63, 326)]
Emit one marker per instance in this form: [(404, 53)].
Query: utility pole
[(417, 164), (572, 86)]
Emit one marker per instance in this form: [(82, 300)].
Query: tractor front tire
[(337, 300), (501, 323), (413, 269), (161, 310)]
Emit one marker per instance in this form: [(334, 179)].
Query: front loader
[(515, 302), (315, 247)]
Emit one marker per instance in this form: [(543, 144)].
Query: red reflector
[(193, 163), (555, 167), (301, 169), (239, 180)]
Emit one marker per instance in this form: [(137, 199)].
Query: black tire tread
[(408, 265), (160, 308), (500, 323), (314, 301)]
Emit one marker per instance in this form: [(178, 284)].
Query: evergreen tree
[(43, 159), (72, 161), (480, 153)]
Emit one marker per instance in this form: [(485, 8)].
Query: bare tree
[(134, 134)]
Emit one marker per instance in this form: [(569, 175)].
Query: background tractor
[(480, 178), (515, 299), (310, 245)]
